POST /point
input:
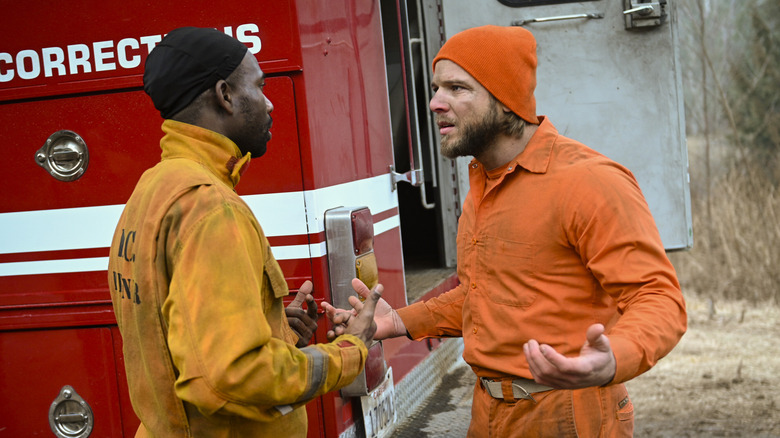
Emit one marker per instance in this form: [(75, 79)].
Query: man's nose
[(269, 106), (437, 104)]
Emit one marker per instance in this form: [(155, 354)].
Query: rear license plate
[(379, 408)]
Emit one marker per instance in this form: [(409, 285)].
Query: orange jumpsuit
[(198, 299), (557, 240)]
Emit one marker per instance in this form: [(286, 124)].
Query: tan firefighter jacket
[(198, 299)]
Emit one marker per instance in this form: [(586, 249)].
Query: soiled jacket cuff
[(353, 358)]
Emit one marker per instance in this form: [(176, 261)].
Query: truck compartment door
[(608, 76)]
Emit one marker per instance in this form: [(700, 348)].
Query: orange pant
[(589, 412)]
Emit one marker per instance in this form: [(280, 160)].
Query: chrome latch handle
[(70, 416), (643, 14), (641, 10), (64, 155), (557, 18)]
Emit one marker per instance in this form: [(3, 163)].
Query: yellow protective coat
[(198, 299)]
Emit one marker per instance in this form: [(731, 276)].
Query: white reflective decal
[(56, 230), (280, 214), (54, 266)]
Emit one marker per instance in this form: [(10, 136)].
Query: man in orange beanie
[(565, 288)]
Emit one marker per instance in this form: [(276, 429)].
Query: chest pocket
[(275, 277), (274, 306), (511, 267)]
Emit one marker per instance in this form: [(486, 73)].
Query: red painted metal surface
[(326, 79), (121, 148), (347, 113), (43, 362), (122, 132), (121, 34)]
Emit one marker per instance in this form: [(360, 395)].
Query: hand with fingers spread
[(388, 323), (339, 318), (361, 322), (303, 321), (595, 366)]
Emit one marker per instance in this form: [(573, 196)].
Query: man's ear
[(224, 95)]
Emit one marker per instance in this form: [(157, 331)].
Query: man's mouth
[(445, 127)]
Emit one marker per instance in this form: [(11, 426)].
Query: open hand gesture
[(595, 366), (388, 323)]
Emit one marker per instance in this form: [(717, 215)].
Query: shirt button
[(473, 241), (475, 330), (473, 285)]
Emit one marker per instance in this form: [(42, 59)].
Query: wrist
[(399, 328)]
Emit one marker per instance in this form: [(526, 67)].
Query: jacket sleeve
[(228, 357), (614, 232), (438, 317)]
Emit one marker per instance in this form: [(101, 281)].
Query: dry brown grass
[(722, 380), (736, 252)]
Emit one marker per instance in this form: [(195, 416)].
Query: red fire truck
[(352, 174)]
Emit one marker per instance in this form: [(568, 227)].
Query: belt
[(521, 388)]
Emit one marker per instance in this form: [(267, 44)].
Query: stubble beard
[(257, 130)]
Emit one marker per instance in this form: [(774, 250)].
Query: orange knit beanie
[(502, 59)]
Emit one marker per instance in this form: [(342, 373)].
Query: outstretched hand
[(361, 322), (595, 366), (303, 322), (388, 322)]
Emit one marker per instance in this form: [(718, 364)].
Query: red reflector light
[(362, 231)]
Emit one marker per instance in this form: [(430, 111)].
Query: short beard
[(476, 137), (255, 137)]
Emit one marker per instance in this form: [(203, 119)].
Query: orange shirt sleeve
[(615, 234), (438, 317)]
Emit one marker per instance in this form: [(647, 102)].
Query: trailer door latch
[(64, 155), (70, 416), (644, 14)]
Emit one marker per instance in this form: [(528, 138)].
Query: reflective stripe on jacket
[(198, 298)]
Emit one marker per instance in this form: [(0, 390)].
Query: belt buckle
[(525, 394)]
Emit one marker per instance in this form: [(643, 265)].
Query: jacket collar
[(212, 150)]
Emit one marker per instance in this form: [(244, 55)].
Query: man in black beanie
[(196, 290)]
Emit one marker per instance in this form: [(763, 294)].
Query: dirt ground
[(722, 380)]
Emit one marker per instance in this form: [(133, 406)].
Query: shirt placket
[(484, 215)]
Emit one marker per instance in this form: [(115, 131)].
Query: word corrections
[(97, 56)]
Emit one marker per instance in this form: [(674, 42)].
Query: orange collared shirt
[(564, 239)]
